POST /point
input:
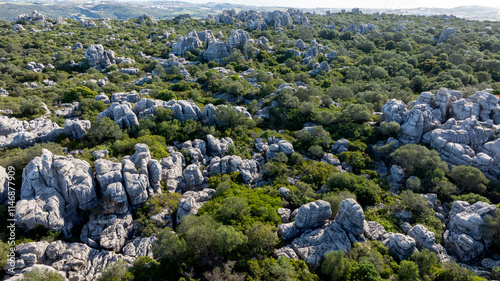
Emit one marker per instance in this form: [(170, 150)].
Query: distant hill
[(126, 10)]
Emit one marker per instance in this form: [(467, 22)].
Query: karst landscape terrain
[(250, 145)]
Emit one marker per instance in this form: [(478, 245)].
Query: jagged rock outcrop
[(351, 217), (108, 232), (131, 97), (273, 146), (446, 34), (424, 238), (312, 246), (75, 261), (16, 133), (216, 51), (192, 202), (461, 130), (140, 247), (121, 113), (401, 245), (4, 185), (309, 216), (54, 190), (248, 168), (218, 147), (319, 68), (109, 176), (374, 230), (464, 236), (101, 59), (102, 97)]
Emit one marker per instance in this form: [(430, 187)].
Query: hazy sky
[(382, 4)]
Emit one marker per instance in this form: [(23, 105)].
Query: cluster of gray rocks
[(127, 108), (17, 133), (461, 129), (57, 189), (312, 233)]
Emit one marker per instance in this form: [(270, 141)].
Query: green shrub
[(78, 93), (117, 271), (42, 275)]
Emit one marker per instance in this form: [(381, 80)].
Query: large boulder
[(464, 236), (312, 246), (218, 147), (99, 58), (424, 238), (351, 217), (4, 185), (54, 190), (192, 202), (446, 34), (374, 230), (309, 216), (109, 232), (248, 168), (121, 113), (401, 245)]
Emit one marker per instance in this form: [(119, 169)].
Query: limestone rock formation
[(54, 190), (312, 246), (464, 237), (351, 217), (108, 232), (75, 261), (192, 202), (401, 245), (121, 113), (446, 34)]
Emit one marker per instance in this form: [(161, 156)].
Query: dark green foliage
[(365, 190), (31, 107), (103, 130), (78, 93), (336, 266), (408, 271), (365, 271), (281, 269), (241, 207), (116, 271), (469, 179)]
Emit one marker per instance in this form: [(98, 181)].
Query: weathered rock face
[(218, 147), (121, 113), (401, 245), (374, 230), (248, 168), (131, 97), (309, 216), (274, 146), (363, 28), (238, 39), (190, 42), (393, 111), (76, 129), (216, 51), (99, 58), (446, 34), (75, 261), (16, 133), (192, 202), (312, 246), (54, 189), (464, 238), (351, 217), (110, 179), (424, 239), (4, 185), (319, 68), (108, 232)]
